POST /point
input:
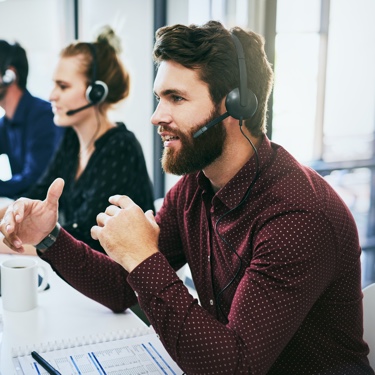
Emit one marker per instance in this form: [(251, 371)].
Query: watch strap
[(49, 240)]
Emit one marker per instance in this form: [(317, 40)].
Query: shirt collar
[(234, 191)]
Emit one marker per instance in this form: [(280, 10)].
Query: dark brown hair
[(14, 55), (109, 67), (210, 49)]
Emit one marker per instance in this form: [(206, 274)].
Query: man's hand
[(128, 235), (28, 221)]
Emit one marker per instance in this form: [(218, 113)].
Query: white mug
[(19, 283)]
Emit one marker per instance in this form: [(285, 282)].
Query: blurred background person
[(97, 158), (28, 135)]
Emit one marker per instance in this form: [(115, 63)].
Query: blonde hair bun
[(107, 35)]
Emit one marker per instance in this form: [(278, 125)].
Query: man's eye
[(177, 98)]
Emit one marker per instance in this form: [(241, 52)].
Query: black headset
[(241, 103), (97, 91)]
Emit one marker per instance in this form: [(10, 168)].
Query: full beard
[(195, 153)]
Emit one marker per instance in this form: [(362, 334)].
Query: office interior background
[(323, 51)]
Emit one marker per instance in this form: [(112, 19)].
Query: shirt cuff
[(152, 276), (61, 240)]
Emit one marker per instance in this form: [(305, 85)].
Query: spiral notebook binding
[(43, 347)]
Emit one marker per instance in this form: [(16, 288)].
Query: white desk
[(62, 314)]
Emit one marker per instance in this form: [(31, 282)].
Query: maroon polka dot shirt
[(278, 279)]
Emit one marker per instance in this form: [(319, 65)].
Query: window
[(296, 76), (324, 98)]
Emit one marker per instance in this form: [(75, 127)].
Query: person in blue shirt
[(28, 135)]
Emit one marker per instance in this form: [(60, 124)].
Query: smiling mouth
[(168, 138)]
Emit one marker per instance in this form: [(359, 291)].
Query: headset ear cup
[(234, 107), (97, 92), (9, 77)]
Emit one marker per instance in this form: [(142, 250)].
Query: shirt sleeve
[(40, 144), (94, 274)]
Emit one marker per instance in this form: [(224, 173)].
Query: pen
[(51, 370)]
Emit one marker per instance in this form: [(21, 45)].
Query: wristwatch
[(48, 241)]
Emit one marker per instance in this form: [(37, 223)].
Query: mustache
[(162, 128), (178, 133), (168, 129)]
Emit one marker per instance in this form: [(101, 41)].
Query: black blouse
[(117, 166)]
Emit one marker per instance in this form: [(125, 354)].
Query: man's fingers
[(55, 191), (8, 223), (112, 210), (95, 230), (122, 201), (150, 217), (101, 219), (14, 214), (14, 244)]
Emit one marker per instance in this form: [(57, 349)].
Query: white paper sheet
[(130, 356)]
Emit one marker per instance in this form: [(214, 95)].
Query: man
[(28, 135), (273, 250)]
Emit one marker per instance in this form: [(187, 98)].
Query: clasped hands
[(128, 235)]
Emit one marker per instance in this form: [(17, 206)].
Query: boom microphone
[(210, 124), (74, 111)]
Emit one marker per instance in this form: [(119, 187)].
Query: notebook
[(130, 352)]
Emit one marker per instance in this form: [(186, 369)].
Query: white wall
[(33, 23)]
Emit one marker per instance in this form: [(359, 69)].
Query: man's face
[(184, 107)]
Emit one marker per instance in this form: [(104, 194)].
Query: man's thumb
[(55, 191), (151, 218)]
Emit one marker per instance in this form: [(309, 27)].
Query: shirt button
[(75, 225), (208, 259), (211, 302)]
